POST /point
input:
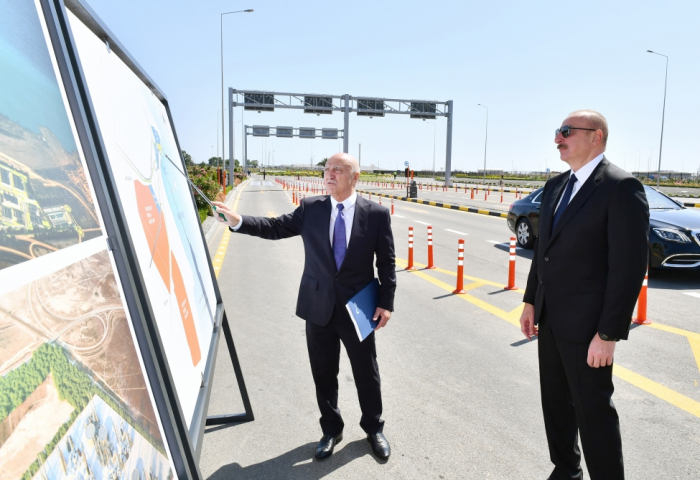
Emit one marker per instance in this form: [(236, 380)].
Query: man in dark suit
[(342, 234), (587, 270)]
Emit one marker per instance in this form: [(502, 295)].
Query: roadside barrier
[(511, 267), (410, 250), (460, 268), (641, 318), (430, 266)]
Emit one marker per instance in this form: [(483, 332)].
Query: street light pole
[(486, 139), (663, 114), (222, 82)]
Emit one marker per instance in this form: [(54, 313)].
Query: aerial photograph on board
[(73, 399), (44, 192)]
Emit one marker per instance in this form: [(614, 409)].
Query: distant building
[(19, 210)]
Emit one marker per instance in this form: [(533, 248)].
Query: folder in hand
[(361, 308)]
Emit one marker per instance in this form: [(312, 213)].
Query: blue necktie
[(564, 200), (339, 239)]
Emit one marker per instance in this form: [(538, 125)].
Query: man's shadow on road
[(298, 463)]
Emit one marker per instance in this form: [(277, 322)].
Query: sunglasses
[(565, 130)]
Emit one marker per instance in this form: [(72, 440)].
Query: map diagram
[(157, 202)]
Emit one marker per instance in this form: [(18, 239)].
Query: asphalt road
[(460, 383)]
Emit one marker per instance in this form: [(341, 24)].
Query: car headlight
[(672, 235)]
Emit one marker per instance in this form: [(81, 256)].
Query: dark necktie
[(339, 238), (564, 200)]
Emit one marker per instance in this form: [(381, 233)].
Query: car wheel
[(523, 233)]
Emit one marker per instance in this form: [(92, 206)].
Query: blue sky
[(530, 62)]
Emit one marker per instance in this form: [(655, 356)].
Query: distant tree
[(188, 159), (322, 163), (253, 163), (215, 161)]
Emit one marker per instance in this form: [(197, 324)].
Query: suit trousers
[(578, 398), (323, 344)]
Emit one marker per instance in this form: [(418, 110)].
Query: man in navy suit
[(588, 266), (342, 235)]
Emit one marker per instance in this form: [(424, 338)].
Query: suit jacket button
[(541, 282), (546, 259)]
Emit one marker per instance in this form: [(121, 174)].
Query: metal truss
[(322, 104), (286, 132)]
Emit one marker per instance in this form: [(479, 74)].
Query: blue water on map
[(29, 91), (180, 198)]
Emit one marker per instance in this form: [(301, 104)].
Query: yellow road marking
[(693, 338), (271, 214), (218, 259), (664, 393), (454, 274), (502, 314)]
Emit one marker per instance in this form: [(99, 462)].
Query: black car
[(674, 231)]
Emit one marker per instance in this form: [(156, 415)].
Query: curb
[(461, 208), (213, 229), (692, 205)]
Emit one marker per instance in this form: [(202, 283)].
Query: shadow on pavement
[(520, 252), (674, 279), (297, 464)]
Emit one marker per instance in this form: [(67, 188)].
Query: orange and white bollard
[(472, 194), (294, 198), (430, 266), (641, 318), (410, 250), (380, 200), (460, 268), (511, 267), (392, 206)]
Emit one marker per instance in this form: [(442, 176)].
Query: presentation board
[(157, 204), (75, 398)]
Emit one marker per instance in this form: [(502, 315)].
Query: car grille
[(683, 261)]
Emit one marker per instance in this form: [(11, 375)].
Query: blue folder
[(361, 308)]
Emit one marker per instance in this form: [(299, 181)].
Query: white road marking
[(692, 294), (455, 231), (400, 216), (424, 223)]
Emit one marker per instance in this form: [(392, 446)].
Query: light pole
[(663, 114), (223, 148), (486, 139)]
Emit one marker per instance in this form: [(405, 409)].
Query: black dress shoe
[(326, 445), (380, 445)]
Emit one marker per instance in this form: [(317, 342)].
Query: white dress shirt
[(582, 175), (348, 213)]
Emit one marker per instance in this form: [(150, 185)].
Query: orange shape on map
[(154, 228), (183, 305)]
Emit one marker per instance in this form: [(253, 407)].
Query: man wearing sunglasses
[(587, 270)]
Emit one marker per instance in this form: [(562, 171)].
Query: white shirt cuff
[(238, 225)]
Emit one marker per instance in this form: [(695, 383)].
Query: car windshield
[(658, 201)]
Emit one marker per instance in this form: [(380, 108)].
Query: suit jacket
[(588, 271), (322, 285)]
